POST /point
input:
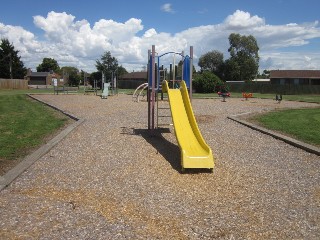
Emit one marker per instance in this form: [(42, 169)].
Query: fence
[(130, 84), (13, 84), (275, 88)]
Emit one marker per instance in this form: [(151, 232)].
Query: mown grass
[(301, 124), (298, 98), (24, 124)]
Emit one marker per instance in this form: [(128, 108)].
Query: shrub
[(207, 82)]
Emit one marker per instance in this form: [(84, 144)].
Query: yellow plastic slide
[(195, 153)]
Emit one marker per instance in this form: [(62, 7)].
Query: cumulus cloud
[(80, 43), (240, 20), (167, 7)]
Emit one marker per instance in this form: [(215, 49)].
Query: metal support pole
[(191, 70), (148, 91), (153, 85), (182, 58)]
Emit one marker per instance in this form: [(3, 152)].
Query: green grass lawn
[(299, 98), (301, 124), (24, 124)]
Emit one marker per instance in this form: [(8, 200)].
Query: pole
[(148, 90), (153, 85), (174, 70), (182, 58), (191, 70), (10, 65)]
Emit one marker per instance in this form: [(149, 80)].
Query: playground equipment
[(223, 95), (105, 91), (195, 153), (109, 87), (154, 80), (279, 98), (139, 92), (247, 95)]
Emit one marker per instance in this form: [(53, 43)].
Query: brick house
[(295, 77), (42, 78)]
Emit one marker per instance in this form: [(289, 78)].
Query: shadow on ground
[(167, 149)]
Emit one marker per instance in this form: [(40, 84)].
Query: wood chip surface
[(112, 179)]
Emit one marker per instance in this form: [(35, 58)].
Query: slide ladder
[(195, 153)]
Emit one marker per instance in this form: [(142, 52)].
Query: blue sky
[(78, 32)]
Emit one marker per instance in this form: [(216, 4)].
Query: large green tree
[(72, 74), (107, 65), (244, 58), (48, 65), (212, 61), (10, 64), (121, 71)]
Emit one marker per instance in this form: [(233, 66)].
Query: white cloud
[(167, 7), (240, 20), (79, 44), (289, 60)]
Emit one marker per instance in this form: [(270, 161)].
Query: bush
[(207, 82)]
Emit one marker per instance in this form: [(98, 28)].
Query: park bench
[(65, 89)]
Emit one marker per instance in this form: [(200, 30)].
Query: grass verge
[(301, 124), (24, 125)]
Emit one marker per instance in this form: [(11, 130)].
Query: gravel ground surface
[(111, 179)]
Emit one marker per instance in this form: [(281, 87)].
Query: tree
[(10, 64), (96, 76), (108, 65), (72, 74), (213, 62), (178, 70), (121, 71), (244, 58), (48, 65), (265, 74), (207, 82)]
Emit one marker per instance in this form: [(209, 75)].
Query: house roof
[(295, 74), (38, 74), (135, 75), (42, 74)]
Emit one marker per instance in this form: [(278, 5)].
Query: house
[(135, 76), (43, 78), (295, 77), (132, 80)]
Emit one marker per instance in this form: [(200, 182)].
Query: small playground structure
[(109, 88), (139, 92), (278, 98), (224, 95), (247, 95), (195, 153)]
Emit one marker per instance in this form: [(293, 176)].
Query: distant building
[(132, 80), (43, 78), (135, 76), (295, 77), (256, 80)]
